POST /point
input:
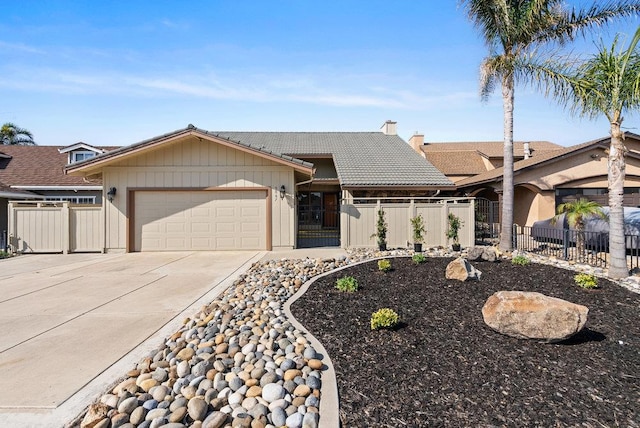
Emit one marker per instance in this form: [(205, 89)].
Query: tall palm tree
[(10, 134), (576, 213), (608, 84), (514, 30)]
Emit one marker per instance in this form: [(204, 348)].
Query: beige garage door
[(200, 220)]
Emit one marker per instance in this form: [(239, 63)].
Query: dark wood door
[(330, 202)]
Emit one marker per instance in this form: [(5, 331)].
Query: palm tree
[(576, 213), (10, 134), (514, 31), (606, 84)]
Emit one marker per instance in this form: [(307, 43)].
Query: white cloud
[(324, 89), (20, 47)]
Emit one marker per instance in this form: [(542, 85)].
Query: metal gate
[(318, 227), (487, 219)]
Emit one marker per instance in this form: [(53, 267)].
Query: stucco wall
[(193, 164)]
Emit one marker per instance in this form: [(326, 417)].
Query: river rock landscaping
[(443, 366), (237, 363)]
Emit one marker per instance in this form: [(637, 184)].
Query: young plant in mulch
[(520, 260), (381, 231), (384, 318), (586, 280), (453, 230), (347, 284), (384, 265), (418, 258)]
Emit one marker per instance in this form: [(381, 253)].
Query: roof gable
[(94, 164), (80, 146)]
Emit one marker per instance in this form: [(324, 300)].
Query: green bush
[(586, 280), (384, 265), (520, 260), (418, 258), (384, 318), (347, 283), (4, 254)]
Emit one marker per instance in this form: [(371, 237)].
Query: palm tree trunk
[(506, 233), (617, 249)]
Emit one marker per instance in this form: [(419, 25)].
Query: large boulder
[(529, 315), (462, 270)]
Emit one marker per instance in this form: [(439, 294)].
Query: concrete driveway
[(72, 324)]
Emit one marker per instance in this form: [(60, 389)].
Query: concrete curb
[(329, 401)]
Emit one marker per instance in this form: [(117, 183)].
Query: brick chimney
[(416, 141), (389, 128)]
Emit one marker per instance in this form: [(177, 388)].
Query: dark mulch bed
[(444, 367)]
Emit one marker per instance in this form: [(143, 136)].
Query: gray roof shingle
[(362, 159)]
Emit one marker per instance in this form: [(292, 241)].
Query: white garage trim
[(133, 235)]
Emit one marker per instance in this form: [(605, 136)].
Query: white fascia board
[(57, 187), (11, 195), (79, 146)]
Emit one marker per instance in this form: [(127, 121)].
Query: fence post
[(66, 228), (565, 243), (514, 237)]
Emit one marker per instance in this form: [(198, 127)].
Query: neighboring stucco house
[(462, 160), (193, 189), (37, 173), (547, 179)]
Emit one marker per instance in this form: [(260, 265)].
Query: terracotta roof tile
[(551, 156), (491, 149), (463, 162)]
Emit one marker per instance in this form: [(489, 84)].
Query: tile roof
[(460, 162), (491, 149), (37, 166), (551, 156), (362, 159)]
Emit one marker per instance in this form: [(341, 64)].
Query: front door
[(330, 214)]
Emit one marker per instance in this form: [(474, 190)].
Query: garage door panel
[(199, 220), (225, 227)]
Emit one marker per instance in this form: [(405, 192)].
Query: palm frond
[(574, 22)]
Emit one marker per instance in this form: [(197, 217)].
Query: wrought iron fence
[(569, 244)]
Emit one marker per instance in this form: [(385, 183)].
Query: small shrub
[(586, 280), (384, 318), (4, 254), (384, 265), (520, 260), (347, 283), (418, 258)]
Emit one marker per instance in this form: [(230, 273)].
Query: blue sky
[(117, 72)]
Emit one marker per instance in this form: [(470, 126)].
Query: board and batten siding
[(54, 227), (194, 164), (358, 223)]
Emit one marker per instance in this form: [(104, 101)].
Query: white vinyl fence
[(359, 217), (54, 227)]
